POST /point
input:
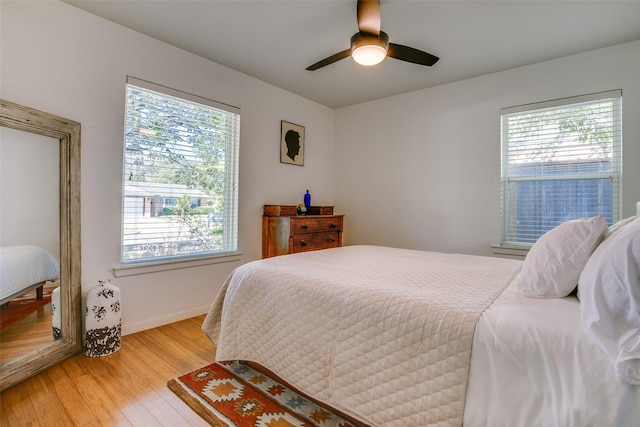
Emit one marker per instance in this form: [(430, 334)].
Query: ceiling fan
[(370, 45)]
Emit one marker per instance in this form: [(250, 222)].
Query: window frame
[(614, 176), (230, 251)]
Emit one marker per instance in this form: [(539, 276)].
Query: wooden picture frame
[(291, 143)]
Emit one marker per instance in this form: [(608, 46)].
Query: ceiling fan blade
[(369, 16), (330, 60), (409, 54)]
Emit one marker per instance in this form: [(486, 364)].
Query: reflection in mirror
[(40, 228), (29, 240)]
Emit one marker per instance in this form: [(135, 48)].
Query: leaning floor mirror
[(40, 278)]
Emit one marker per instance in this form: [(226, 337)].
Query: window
[(180, 170), (561, 160)]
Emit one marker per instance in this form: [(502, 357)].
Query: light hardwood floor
[(127, 388)]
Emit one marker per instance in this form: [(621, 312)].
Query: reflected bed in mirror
[(40, 240)]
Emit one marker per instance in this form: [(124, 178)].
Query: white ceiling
[(275, 40)]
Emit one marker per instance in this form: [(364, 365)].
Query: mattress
[(23, 266), (382, 334)]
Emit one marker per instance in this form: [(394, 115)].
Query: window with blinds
[(561, 160), (180, 192)]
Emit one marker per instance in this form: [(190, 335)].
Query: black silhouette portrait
[(292, 138), (292, 144)]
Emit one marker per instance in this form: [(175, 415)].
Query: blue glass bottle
[(307, 201)]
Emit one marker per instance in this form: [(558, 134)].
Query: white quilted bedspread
[(383, 334), (25, 265)]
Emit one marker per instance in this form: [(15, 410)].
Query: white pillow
[(615, 227), (554, 263), (618, 225), (610, 300)]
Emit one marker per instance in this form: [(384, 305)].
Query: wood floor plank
[(186, 336), (169, 350), (67, 391), (17, 410), (159, 370), (130, 374), (152, 375), (127, 388), (120, 394), (103, 408), (118, 391), (190, 417), (45, 402)]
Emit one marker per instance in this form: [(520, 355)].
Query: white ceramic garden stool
[(103, 321), (56, 318)]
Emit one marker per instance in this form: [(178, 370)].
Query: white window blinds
[(561, 160), (180, 192)]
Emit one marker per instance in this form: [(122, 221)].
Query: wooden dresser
[(284, 232)]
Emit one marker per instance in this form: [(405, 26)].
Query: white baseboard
[(164, 320)]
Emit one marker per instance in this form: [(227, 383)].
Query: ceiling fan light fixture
[(368, 49), (368, 55), (369, 46)]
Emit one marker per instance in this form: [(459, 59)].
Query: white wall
[(64, 61), (422, 170)]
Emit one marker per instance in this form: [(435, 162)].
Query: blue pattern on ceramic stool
[(103, 323)]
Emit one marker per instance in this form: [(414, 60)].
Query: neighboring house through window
[(561, 160), (180, 170)]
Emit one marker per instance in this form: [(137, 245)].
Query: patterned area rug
[(22, 306), (235, 394)]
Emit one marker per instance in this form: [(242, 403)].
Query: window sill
[(175, 264), (515, 252)]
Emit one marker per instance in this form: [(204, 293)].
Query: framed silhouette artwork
[(291, 143)]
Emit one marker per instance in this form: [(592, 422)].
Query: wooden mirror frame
[(68, 133)]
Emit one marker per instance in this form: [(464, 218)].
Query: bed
[(24, 268), (397, 337)]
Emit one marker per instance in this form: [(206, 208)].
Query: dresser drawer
[(313, 224), (315, 241), (286, 234)]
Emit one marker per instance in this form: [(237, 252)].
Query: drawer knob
[(333, 225), (331, 239), (305, 226), (303, 243)]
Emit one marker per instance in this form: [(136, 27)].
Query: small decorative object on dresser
[(285, 233), (307, 200)]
